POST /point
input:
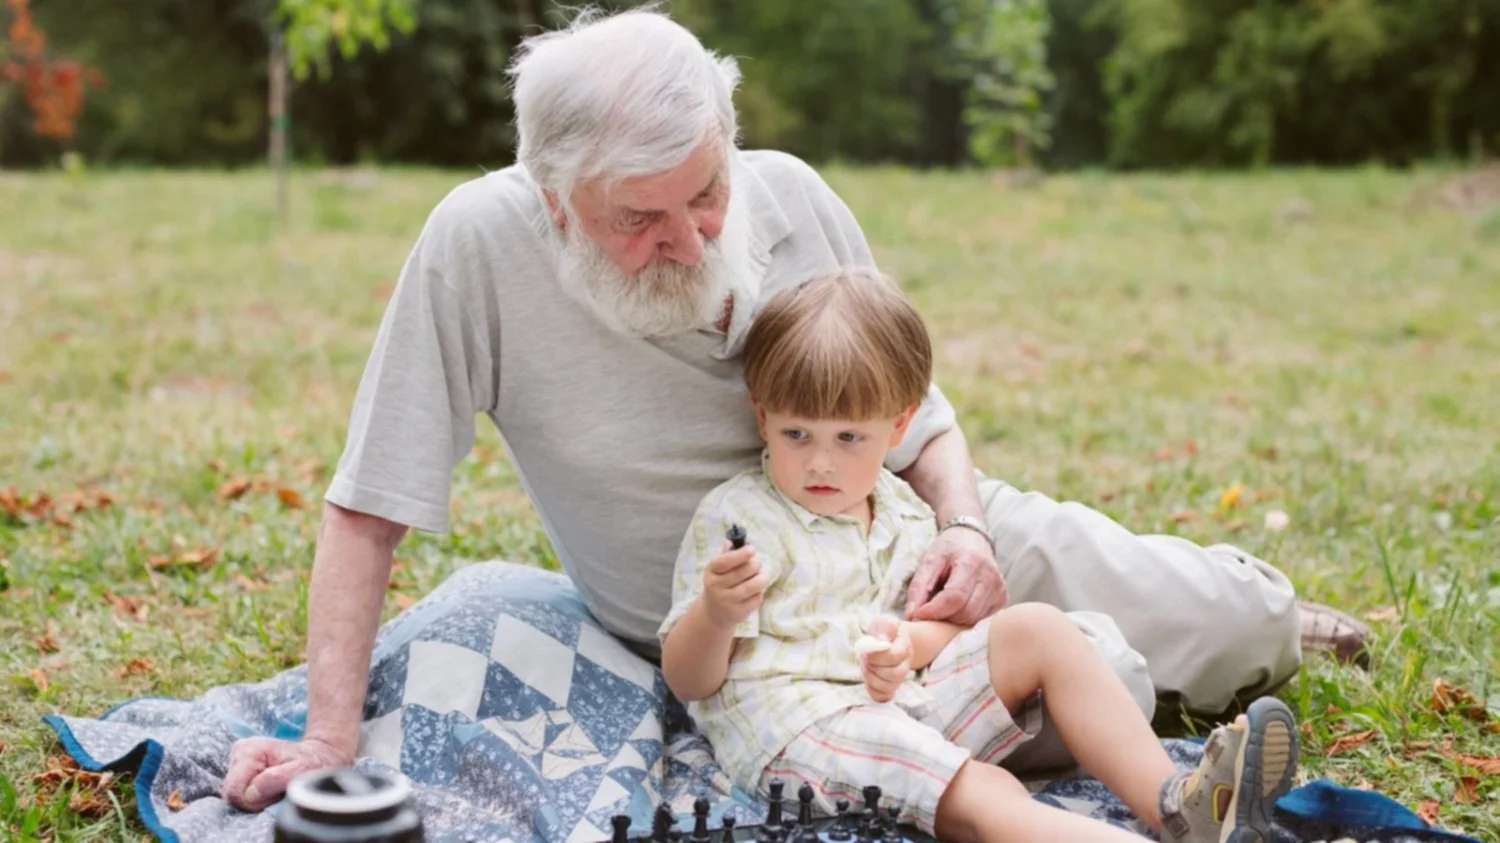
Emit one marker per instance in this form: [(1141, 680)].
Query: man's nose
[(683, 242)]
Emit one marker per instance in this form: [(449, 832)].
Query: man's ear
[(555, 209), (903, 424)]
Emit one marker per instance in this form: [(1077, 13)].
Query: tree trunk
[(278, 121)]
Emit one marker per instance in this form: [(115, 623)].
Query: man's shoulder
[(780, 168), (500, 204)]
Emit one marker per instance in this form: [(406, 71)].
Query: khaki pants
[(1205, 624)]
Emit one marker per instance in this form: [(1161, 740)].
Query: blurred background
[(1054, 84)]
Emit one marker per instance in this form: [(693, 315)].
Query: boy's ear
[(903, 424), (760, 418)]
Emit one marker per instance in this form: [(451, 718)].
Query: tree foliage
[(312, 26), (1253, 81), (1127, 83)]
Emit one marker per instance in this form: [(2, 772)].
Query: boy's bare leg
[(986, 804), (1033, 646)]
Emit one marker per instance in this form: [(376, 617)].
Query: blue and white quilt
[(516, 717)]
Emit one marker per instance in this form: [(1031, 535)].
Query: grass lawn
[(1188, 353)]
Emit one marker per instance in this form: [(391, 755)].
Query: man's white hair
[(618, 96)]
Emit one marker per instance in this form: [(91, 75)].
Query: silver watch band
[(972, 523)]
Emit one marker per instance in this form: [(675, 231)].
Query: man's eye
[(634, 220)]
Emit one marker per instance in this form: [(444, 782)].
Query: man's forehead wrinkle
[(620, 197)]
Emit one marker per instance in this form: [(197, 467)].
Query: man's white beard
[(665, 297)]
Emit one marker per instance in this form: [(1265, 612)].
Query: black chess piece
[(870, 819), (805, 796), (841, 830), (621, 823), (728, 829), (700, 821), (893, 820), (773, 819), (661, 823), (736, 536)]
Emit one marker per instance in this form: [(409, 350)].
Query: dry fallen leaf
[(1164, 453), (289, 497), (202, 557), (234, 487), (175, 802), (251, 586), (1231, 497), (136, 667), (1488, 765), (2, 747), (1384, 613), (1468, 790), (130, 608), (39, 678), (403, 601), (90, 805), (1427, 809), (1447, 697), (1348, 742), (1182, 516)]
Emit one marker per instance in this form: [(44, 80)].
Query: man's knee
[(1130, 666)]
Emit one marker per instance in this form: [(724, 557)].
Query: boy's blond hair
[(847, 345)]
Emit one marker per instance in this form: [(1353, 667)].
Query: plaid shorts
[(911, 755)]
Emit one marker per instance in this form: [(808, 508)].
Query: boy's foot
[(1231, 797)]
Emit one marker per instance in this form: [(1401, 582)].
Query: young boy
[(795, 664)]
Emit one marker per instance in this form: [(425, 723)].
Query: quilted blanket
[(516, 717)]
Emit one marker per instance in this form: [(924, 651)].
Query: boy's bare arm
[(695, 656), (928, 638)]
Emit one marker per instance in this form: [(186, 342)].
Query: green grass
[(1141, 344)]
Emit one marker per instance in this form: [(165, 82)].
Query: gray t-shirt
[(616, 439)]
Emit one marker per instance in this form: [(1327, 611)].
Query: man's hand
[(733, 586), (885, 670), (261, 768), (962, 564)]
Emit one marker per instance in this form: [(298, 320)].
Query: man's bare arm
[(943, 475), (351, 570), (957, 580)]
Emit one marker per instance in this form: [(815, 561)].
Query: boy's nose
[(820, 463)]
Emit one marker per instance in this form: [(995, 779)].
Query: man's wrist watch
[(972, 523)]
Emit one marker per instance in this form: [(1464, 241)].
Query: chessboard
[(868, 824)]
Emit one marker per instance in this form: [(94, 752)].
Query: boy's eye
[(849, 436), (794, 434)]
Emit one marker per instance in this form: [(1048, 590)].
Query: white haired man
[(592, 301)]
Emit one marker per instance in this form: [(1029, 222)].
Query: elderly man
[(591, 300)]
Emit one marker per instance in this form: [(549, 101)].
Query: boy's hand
[(885, 670), (733, 585)]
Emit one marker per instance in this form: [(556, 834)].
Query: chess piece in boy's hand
[(733, 582), (885, 667)]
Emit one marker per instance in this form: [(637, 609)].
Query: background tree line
[(1062, 83)]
